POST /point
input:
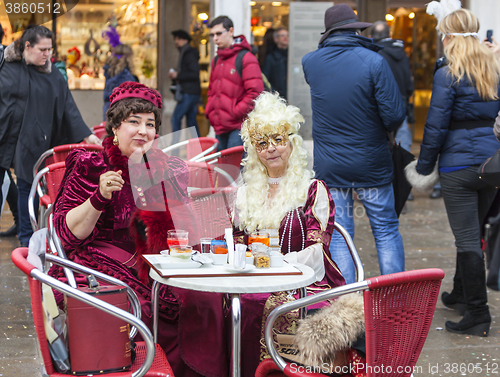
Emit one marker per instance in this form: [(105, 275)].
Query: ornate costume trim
[(318, 236), (331, 262), (322, 223), (239, 239)]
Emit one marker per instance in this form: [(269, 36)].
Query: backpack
[(238, 64)]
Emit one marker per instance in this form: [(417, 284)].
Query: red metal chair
[(53, 175), (55, 155), (203, 175), (195, 148), (228, 160), (150, 360), (213, 207), (60, 153), (398, 313), (100, 130)]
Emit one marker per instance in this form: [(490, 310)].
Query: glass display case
[(80, 42)]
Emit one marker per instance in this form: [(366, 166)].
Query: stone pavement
[(428, 243)]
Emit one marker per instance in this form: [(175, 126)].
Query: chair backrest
[(196, 146), (230, 160), (398, 315), (213, 207), (62, 151), (201, 175), (100, 133), (54, 179), (53, 174)]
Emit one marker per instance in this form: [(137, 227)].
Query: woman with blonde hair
[(281, 197), (459, 130)]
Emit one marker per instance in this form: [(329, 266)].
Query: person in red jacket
[(235, 81)]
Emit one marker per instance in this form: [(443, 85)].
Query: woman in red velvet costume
[(118, 204), (281, 196)]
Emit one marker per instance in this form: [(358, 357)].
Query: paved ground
[(428, 243)]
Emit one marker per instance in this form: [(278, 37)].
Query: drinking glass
[(205, 244), (258, 236), (177, 238)]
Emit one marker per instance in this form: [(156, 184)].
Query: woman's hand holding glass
[(110, 182)]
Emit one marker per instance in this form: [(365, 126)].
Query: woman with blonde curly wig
[(459, 130), (280, 196)]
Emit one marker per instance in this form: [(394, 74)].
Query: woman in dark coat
[(37, 113), (459, 130)]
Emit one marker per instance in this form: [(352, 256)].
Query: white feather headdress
[(440, 9)]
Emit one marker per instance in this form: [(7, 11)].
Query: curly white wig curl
[(255, 209)]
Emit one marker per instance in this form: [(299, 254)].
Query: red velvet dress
[(191, 324), (299, 229)]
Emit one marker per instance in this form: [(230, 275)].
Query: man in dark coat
[(276, 63), (395, 55), (187, 78), (37, 112), (355, 102)]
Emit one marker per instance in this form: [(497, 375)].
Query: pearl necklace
[(274, 181), (289, 219)]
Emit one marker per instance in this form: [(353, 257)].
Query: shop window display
[(81, 44)]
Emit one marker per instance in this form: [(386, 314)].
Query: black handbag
[(489, 171), (402, 188)]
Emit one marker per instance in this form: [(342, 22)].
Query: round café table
[(235, 286)]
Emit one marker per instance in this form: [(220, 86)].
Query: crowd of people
[(108, 214)]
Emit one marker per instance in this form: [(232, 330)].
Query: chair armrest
[(300, 303), (204, 153), (212, 156), (134, 301), (358, 266), (175, 146)]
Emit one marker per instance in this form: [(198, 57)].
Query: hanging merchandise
[(89, 42)]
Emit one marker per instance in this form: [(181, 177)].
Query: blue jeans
[(188, 107), (24, 230), (403, 136), (229, 139), (378, 203)]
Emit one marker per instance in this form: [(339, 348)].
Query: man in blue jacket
[(355, 102)]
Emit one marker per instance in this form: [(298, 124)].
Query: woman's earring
[(115, 140)]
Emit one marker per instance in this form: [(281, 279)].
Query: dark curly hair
[(122, 109)]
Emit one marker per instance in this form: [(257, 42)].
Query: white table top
[(242, 284)]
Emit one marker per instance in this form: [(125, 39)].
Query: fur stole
[(116, 159), (178, 215), (333, 329), (418, 181), (12, 54)]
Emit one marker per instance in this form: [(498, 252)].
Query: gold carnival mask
[(261, 136)]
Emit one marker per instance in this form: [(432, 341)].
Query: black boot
[(455, 299), (11, 232), (477, 319)]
